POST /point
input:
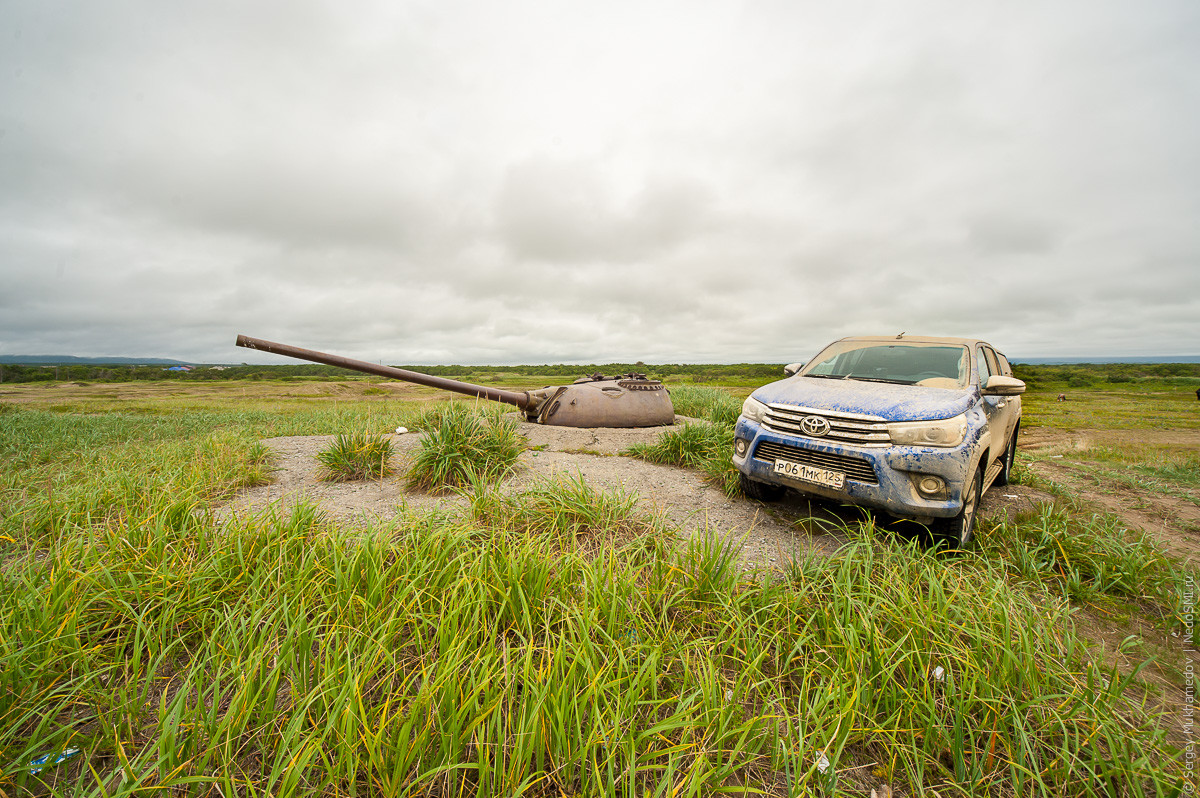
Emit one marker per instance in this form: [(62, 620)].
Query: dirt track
[(1173, 519)]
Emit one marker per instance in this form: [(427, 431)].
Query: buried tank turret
[(627, 400)]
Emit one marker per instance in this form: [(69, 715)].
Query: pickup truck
[(918, 427)]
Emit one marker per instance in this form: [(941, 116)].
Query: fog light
[(741, 446), (931, 485)]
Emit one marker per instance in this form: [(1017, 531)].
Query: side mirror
[(791, 368), (1003, 386)]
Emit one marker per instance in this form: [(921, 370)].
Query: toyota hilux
[(918, 427)]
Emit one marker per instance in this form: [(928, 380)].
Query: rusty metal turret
[(627, 400)]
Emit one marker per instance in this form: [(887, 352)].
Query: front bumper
[(896, 470)]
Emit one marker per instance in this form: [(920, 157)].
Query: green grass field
[(554, 642)]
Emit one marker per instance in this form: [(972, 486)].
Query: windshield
[(932, 365)]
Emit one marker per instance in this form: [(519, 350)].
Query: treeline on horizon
[(1081, 375), (1075, 375), (707, 372)]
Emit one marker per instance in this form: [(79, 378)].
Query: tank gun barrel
[(520, 399)]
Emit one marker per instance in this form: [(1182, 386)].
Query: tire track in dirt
[(1172, 521)]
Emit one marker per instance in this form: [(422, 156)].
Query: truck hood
[(885, 401)]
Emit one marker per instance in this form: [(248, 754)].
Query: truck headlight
[(945, 432), (753, 409)]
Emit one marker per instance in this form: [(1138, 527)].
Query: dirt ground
[(1173, 520), (768, 535)]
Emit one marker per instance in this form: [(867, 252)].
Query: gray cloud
[(1000, 235), (463, 182), (558, 211)]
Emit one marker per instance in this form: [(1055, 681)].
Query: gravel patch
[(768, 535)]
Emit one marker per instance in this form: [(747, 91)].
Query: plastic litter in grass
[(46, 760), (822, 763), (939, 674), (401, 430)]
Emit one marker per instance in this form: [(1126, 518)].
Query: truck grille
[(843, 427), (853, 467)]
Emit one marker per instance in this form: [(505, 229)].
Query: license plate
[(817, 476)]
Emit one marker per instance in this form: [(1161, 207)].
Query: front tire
[(958, 531), (760, 491)]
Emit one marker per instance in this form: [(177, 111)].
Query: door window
[(982, 366)]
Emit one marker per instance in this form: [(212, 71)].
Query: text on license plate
[(818, 476)]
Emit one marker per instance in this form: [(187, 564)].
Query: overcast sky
[(541, 182)]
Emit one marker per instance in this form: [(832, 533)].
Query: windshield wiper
[(881, 379), (829, 376)]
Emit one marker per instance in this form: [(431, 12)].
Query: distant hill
[(1059, 361), (71, 360)]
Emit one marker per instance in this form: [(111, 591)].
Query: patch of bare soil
[(1006, 502), (1173, 521), (767, 535), (1036, 438)]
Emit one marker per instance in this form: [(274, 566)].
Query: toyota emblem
[(814, 426)]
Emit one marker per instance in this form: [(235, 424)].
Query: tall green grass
[(1087, 557), (355, 455), (706, 445), (63, 472), (703, 446), (565, 513), (465, 443), (711, 404), (548, 642), (284, 655)]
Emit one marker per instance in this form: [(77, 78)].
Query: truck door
[(1002, 411), (1011, 407)]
